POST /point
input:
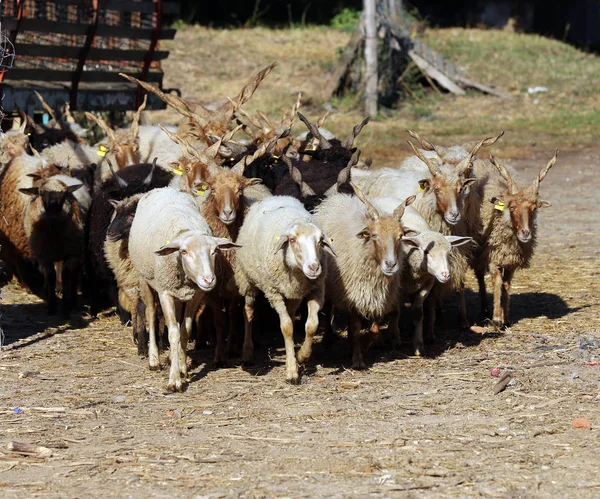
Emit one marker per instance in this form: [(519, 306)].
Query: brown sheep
[(509, 233)]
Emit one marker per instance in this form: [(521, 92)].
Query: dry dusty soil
[(406, 427)]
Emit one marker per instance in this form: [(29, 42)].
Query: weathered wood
[(370, 58), (96, 54), (466, 82), (341, 68), (29, 449), (433, 72)]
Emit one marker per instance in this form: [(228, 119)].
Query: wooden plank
[(438, 76), (466, 82), (44, 26), (95, 54), (66, 76), (348, 55)]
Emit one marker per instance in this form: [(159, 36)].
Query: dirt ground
[(406, 427)]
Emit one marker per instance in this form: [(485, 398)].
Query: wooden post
[(370, 58)]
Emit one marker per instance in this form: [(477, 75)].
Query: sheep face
[(13, 144), (519, 211), (195, 172), (225, 189), (303, 245), (122, 219), (53, 194), (435, 252), (382, 239), (197, 254), (125, 148), (451, 190)]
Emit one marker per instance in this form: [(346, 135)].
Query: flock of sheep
[(167, 222)]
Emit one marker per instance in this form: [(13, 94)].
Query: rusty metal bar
[(13, 34)]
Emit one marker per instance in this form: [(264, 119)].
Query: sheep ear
[(411, 241), (73, 188), (253, 181), (408, 232), (31, 191), (544, 204), (34, 176), (458, 240), (326, 244), (364, 234), (468, 181), (282, 240), (495, 200), (424, 184), (167, 249), (225, 244), (114, 203)]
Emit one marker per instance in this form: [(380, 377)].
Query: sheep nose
[(445, 276), (314, 267), (227, 212), (526, 232), (207, 281), (390, 265)]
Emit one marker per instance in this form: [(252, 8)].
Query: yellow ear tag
[(277, 238), (178, 170), (499, 206), (102, 150), (168, 242), (421, 189), (330, 240), (29, 134)]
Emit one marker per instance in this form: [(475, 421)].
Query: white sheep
[(282, 256), (426, 261), (173, 251), (364, 278)]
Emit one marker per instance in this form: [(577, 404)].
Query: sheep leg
[(233, 322), (480, 274), (354, 325), (417, 307), (139, 325), (329, 336), (506, 282), (170, 308), (287, 330), (50, 277), (216, 305), (312, 324), (147, 296), (374, 330), (430, 315), (190, 310), (248, 349), (393, 329), (462, 308), (498, 318)]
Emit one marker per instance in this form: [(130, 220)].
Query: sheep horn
[(185, 146), (371, 210), (512, 187), (270, 126), (433, 169), (489, 141), (543, 172), (67, 113), (264, 148), (176, 102), (465, 164), (428, 146), (148, 179), (103, 125), (47, 108), (246, 92), (292, 116), (135, 124), (296, 174), (238, 109), (399, 211), (314, 130), (345, 174), (322, 119), (349, 142), (122, 183)]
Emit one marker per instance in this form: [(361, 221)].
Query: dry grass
[(208, 65)]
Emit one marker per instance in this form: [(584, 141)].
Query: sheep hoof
[(219, 364), (142, 350), (155, 368), (302, 358), (419, 350), (176, 386), (499, 323), (359, 365), (247, 363), (293, 379)]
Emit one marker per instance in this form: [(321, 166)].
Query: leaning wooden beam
[(466, 82), (429, 69), (336, 79)]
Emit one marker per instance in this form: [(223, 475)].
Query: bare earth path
[(406, 427)]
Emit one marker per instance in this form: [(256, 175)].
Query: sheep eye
[(183, 252), (292, 240)]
